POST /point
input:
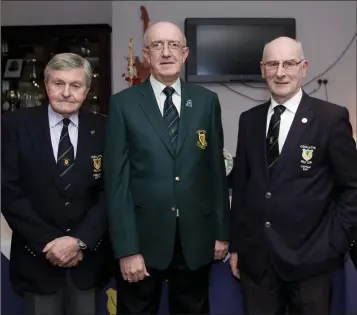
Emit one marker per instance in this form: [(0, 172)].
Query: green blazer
[(146, 181)]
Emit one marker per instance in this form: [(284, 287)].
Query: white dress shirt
[(286, 118), (56, 124), (160, 96)]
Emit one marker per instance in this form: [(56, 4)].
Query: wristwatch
[(81, 244)]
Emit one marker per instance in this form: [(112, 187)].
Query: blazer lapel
[(259, 129), (185, 115), (83, 150), (39, 132), (302, 119), (150, 107)]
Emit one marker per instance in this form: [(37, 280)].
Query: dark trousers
[(68, 300), (271, 295), (187, 290)]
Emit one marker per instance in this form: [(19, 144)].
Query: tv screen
[(230, 49)]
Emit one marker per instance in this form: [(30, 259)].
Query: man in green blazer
[(167, 194)]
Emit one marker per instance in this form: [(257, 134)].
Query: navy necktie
[(171, 115), (272, 140), (65, 155)]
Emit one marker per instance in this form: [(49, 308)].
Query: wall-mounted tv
[(230, 49)]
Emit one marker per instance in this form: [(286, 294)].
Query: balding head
[(283, 67), (163, 27), (283, 45), (165, 51)]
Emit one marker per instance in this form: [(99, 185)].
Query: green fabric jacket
[(146, 181)]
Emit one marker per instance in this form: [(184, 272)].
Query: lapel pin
[(304, 120), (92, 132), (189, 103)]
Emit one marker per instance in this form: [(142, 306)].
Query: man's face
[(283, 68), (66, 90), (165, 52)]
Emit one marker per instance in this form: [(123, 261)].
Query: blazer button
[(68, 230), (267, 224), (177, 178), (173, 209), (67, 204), (267, 195)]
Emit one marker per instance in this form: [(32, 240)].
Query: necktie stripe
[(64, 136), (272, 149), (171, 116), (68, 168), (277, 123), (275, 142), (65, 156)]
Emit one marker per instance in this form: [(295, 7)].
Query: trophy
[(13, 97)]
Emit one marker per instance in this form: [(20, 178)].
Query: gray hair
[(146, 36), (67, 61)]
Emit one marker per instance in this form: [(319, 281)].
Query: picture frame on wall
[(13, 68)]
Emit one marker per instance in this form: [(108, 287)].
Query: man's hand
[(221, 250), (74, 261), (133, 268), (61, 250), (233, 261)]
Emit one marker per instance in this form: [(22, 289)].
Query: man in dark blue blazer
[(53, 196), (294, 202)]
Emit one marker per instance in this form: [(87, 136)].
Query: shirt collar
[(159, 86), (291, 104), (55, 118)]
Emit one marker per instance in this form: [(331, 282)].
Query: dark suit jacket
[(38, 209), (146, 181), (300, 220)]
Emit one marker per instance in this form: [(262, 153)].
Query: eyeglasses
[(288, 65), (172, 45)]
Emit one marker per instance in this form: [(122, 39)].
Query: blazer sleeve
[(220, 179), (343, 157), (240, 178), (15, 206), (121, 215)]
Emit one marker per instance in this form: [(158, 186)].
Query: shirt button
[(267, 195), (267, 224), (173, 209), (177, 178), (67, 204)]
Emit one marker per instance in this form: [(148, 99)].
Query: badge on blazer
[(307, 154), (201, 143), (97, 166)]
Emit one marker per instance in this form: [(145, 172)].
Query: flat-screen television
[(230, 49)]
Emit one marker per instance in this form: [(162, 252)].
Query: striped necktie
[(171, 115), (65, 155), (272, 140)]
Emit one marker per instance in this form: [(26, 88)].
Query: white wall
[(324, 27), (55, 12)]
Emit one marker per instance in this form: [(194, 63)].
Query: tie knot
[(278, 110), (168, 90), (66, 122)]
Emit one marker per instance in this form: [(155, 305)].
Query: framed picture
[(13, 68)]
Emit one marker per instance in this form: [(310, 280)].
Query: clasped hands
[(133, 267), (63, 252)]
